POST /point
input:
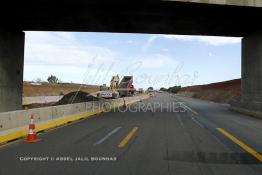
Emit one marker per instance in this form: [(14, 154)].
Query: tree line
[(173, 89)]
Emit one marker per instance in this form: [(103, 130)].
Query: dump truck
[(126, 87), (123, 89)]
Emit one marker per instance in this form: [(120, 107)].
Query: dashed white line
[(197, 122), (107, 136), (182, 103)]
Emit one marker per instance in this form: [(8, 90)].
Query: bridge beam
[(11, 70)]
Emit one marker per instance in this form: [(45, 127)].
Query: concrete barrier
[(14, 124), (41, 99)]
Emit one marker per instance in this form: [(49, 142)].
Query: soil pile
[(76, 97)]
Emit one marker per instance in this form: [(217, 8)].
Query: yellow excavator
[(112, 92)]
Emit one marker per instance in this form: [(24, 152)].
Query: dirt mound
[(222, 92), (76, 97)]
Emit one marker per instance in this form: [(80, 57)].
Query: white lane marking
[(107, 136), (194, 112), (197, 122), (182, 103)]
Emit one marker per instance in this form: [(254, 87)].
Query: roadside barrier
[(14, 124)]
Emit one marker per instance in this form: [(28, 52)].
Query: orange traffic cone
[(124, 105), (31, 137)]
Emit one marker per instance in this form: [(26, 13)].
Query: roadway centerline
[(127, 138), (107, 136), (241, 144)]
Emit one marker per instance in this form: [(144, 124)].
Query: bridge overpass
[(188, 17)]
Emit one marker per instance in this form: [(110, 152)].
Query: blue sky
[(153, 60)]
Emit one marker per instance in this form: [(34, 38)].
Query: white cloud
[(149, 42), (60, 53), (165, 50), (130, 41), (92, 75), (45, 48), (179, 37), (156, 61), (211, 40), (65, 35), (211, 54), (64, 55)]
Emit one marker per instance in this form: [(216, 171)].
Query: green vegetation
[(163, 89), (173, 89), (52, 79), (150, 89)]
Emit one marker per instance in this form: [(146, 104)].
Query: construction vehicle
[(112, 91), (123, 89), (126, 87), (140, 90)]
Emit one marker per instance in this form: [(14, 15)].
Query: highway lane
[(246, 128), (168, 140)]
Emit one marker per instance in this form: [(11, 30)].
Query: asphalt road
[(148, 138)]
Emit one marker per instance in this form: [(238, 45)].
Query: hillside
[(221, 92), (30, 90)]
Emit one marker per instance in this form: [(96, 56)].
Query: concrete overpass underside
[(216, 18), (152, 16)]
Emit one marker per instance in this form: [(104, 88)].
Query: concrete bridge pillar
[(251, 84), (11, 70)]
